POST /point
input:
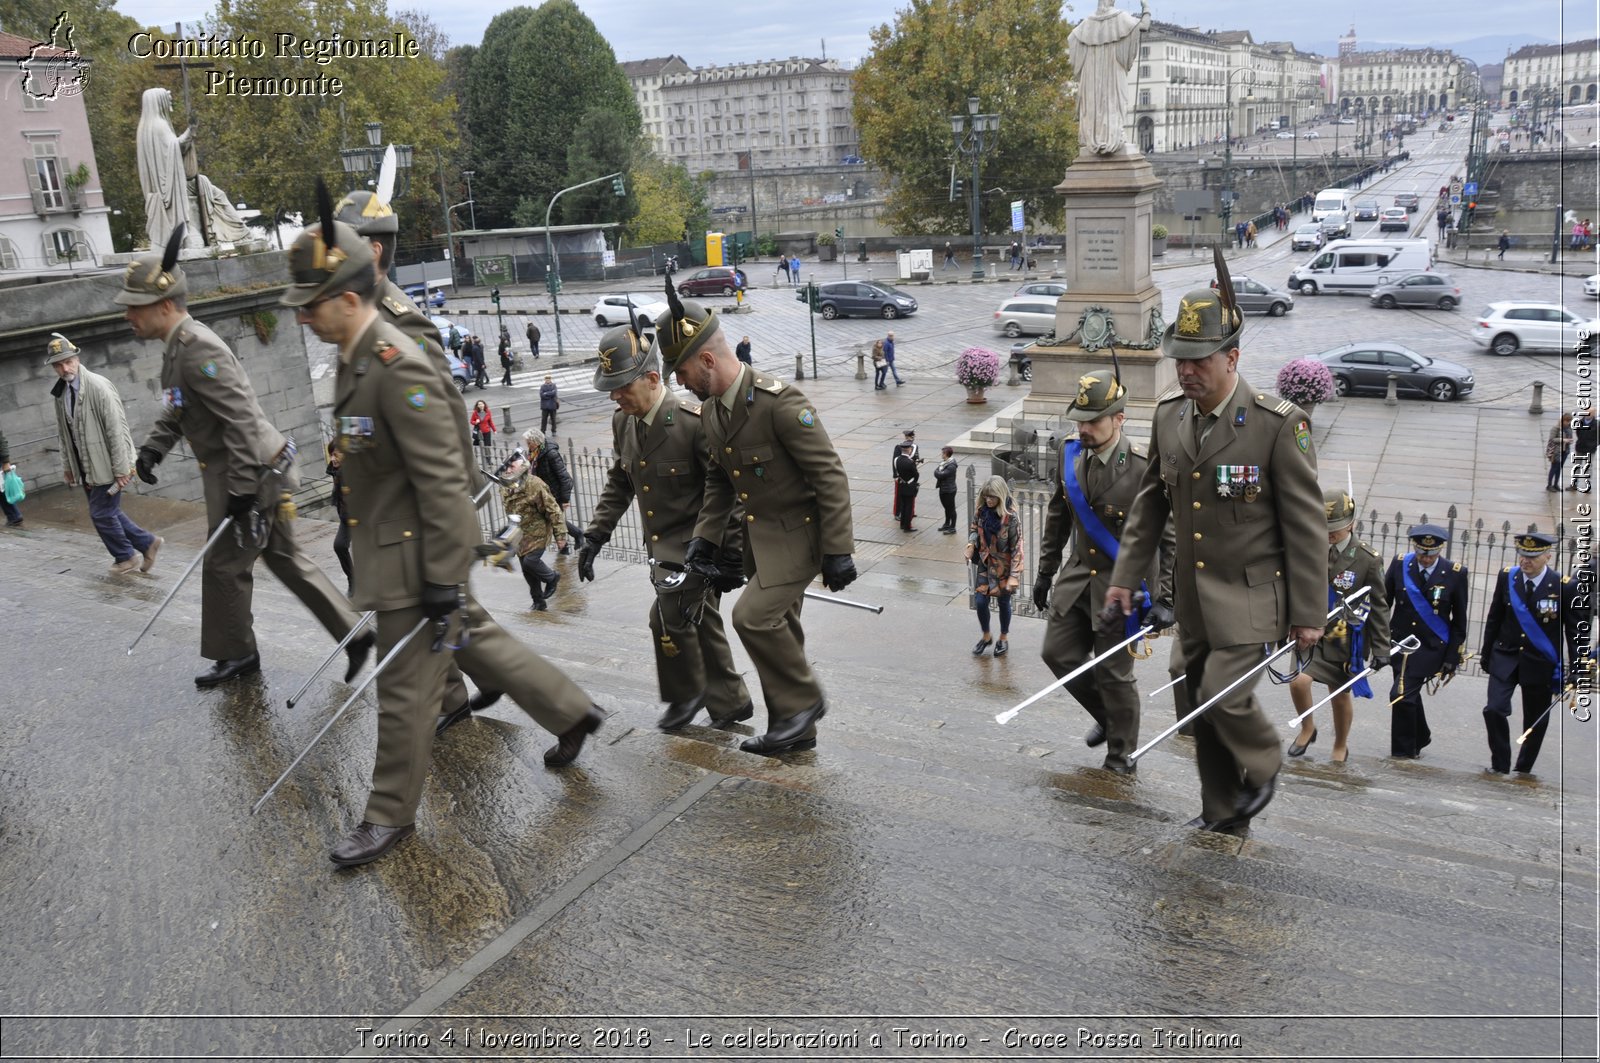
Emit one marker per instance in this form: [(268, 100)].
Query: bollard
[(505, 420), (1391, 397), (1537, 406), (799, 366), (994, 271), (861, 362), (1015, 379)]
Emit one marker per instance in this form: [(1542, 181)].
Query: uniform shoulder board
[(386, 351), (1179, 397), (394, 306), (1139, 450), (1281, 407), (690, 408), (1566, 579), (1456, 567), (770, 386), (1370, 550), (185, 336)]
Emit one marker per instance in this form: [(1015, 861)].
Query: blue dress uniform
[(1430, 602), (1522, 648)]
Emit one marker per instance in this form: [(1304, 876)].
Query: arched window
[(1590, 96)]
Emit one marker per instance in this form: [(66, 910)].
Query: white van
[(1360, 265), (1330, 200)]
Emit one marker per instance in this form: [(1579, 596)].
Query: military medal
[(1345, 581), (355, 434), (172, 398), (1546, 608), (1252, 482)]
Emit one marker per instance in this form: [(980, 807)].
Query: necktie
[(1202, 427), (639, 429), (1526, 587)]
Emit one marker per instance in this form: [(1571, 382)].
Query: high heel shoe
[(1298, 750), (1339, 760)]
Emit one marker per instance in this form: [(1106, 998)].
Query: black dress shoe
[(550, 588), (570, 742), (790, 736), (357, 652), (223, 671), (1249, 805), (1199, 823), (540, 605), (739, 715), (449, 719), (368, 842), (483, 699), (1119, 767), (1298, 749), (681, 712), (1095, 737)]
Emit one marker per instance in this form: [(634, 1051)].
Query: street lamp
[(1227, 151), (361, 165), (552, 269), (471, 203), (974, 135)]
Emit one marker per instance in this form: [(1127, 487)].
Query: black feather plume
[(1116, 370), (633, 323), (1225, 292), (325, 212), (672, 299), (169, 257)]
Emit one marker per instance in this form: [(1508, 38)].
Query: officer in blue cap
[(1428, 593), (1533, 606)]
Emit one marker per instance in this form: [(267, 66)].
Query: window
[(65, 246), (44, 177), (8, 254)]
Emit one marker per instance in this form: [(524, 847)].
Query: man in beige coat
[(1234, 470), (414, 531), (97, 453), (660, 460), (247, 468), (770, 453)]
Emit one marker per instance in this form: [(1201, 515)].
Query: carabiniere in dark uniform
[(1428, 595)]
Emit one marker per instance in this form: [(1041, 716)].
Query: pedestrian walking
[(949, 257), (888, 358), (1504, 244), (544, 454), (880, 368), (482, 421), (533, 338), (1535, 614), (1250, 234), (549, 403), (7, 471), (540, 521), (742, 352), (1238, 234), (994, 548), (1100, 475), (694, 663), (1238, 479), (796, 512), (944, 478), (97, 454), (1556, 449), (506, 361), (1427, 593), (247, 469), (341, 509)]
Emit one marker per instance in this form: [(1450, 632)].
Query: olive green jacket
[(97, 435)]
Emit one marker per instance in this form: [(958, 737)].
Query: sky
[(707, 31)]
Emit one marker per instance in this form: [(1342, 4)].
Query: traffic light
[(494, 294), (618, 187), (955, 189), (808, 295), (552, 282), (838, 232)]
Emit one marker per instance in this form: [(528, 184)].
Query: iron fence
[(588, 468)]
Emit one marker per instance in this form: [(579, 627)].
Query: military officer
[(1351, 640), (907, 482), (1533, 607), (660, 448), (1100, 475), (414, 531), (247, 468), (1235, 471), (1428, 595), (768, 451)]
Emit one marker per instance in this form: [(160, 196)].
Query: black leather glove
[(1378, 664), (1452, 661), (145, 465), (239, 506), (1110, 621), (730, 570), (1041, 592), (838, 571), (1160, 616), (439, 601), (591, 550), (700, 557)]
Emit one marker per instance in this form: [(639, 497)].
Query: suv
[(1407, 200), (1394, 218), (1031, 315), (613, 310), (713, 280), (1505, 328), (860, 299)]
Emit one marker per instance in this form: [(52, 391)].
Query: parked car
[(1417, 289), (1505, 328), (852, 160), (1053, 289), (1366, 210), (1255, 297), (1591, 286), (1394, 219), (1311, 134), (1407, 200), (713, 280), (1307, 237), (613, 310), (459, 373), (1335, 226), (861, 299), (1284, 135), (422, 296), (1364, 368), (1031, 315)]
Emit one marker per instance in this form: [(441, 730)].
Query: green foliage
[(601, 144), (668, 201), (1158, 231), (826, 240), (495, 154), (767, 246), (1012, 55)]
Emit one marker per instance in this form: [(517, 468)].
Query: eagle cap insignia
[(1189, 316), (605, 358), (1085, 383)]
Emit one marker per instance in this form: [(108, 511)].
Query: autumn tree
[(1012, 55), (667, 201)]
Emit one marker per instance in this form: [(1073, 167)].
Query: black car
[(1366, 210), (1363, 368), (860, 299)]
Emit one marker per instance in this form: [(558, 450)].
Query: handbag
[(13, 487)]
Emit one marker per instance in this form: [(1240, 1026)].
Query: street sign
[(1455, 201), (1470, 188), (492, 269), (1455, 186), (608, 258), (1016, 216)]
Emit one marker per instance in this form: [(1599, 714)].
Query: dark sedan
[(1363, 368)]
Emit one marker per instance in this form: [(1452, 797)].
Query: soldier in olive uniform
[(768, 451), (660, 448), (1534, 606), (247, 468), (1352, 639), (1100, 475), (1428, 594), (1234, 470), (414, 532)]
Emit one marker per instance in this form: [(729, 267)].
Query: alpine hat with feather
[(1208, 319), (154, 276), (326, 257)]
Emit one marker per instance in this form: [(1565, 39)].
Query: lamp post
[(552, 267), (1226, 213), (472, 204), (974, 135), (361, 165)]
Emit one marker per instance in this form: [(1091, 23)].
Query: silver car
[(1255, 297), (1418, 289), (1307, 237)]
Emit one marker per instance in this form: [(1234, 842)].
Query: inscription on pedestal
[(1100, 248)]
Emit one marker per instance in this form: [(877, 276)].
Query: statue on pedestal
[(174, 189), (1102, 48)]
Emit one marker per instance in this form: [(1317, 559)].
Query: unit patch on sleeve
[(417, 398)]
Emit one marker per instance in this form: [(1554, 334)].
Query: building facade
[(53, 215), (1414, 81), (1562, 74), (645, 76)]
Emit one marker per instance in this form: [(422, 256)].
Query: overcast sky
[(731, 31)]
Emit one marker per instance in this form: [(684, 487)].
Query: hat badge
[(605, 358), (1085, 384), (1189, 316)]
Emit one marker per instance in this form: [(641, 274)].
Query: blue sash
[(1361, 689), (1530, 627), (1080, 502), (1419, 604)]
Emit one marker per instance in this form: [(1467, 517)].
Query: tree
[(668, 200), (600, 145), (496, 154), (1012, 55)]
